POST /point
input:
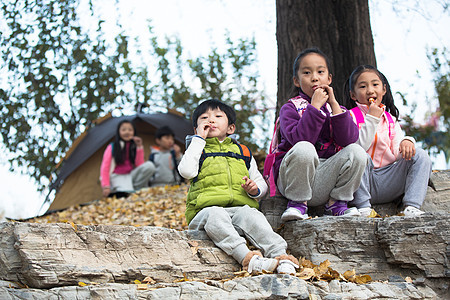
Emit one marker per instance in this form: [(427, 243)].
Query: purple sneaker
[(295, 211), (339, 208)]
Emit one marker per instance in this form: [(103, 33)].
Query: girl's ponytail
[(349, 103), (388, 99)]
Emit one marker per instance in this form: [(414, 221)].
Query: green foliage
[(441, 68), (434, 136), (59, 77), (230, 76), (57, 81)]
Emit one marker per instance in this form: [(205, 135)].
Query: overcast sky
[(401, 41)]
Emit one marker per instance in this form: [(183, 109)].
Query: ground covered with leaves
[(157, 206)]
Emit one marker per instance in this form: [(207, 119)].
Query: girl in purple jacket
[(319, 164)]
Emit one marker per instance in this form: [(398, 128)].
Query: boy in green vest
[(224, 193)]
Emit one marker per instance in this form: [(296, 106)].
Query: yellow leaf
[(148, 279), (349, 274), (374, 214), (194, 250), (326, 277), (74, 226), (323, 267), (137, 282), (183, 279), (193, 243), (80, 283), (240, 273), (334, 273), (306, 263), (306, 273), (363, 279)]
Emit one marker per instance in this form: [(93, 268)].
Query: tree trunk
[(340, 28)]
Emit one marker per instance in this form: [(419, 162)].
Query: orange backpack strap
[(246, 154)]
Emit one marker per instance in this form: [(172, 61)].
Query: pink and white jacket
[(374, 138), (108, 164)]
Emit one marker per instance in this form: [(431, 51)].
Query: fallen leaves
[(373, 214), (148, 280), (74, 226), (194, 247), (360, 279), (306, 273), (162, 206), (323, 272)]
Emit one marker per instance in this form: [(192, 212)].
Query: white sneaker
[(352, 212), (365, 211), (286, 267), (258, 264), (293, 214), (411, 211)]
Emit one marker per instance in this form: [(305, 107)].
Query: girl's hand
[(106, 191), (335, 107), (138, 141), (375, 110), (319, 98), (203, 129), (329, 90), (250, 186), (407, 149)]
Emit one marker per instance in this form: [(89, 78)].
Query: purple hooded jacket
[(316, 127)]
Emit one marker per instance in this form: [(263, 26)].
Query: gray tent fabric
[(100, 134)]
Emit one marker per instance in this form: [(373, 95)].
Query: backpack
[(245, 155), (360, 120), (300, 105), (176, 175)]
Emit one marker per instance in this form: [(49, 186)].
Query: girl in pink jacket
[(396, 166), (123, 168)]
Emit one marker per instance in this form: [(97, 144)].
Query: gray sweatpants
[(225, 226), (305, 177), (138, 178), (386, 184)]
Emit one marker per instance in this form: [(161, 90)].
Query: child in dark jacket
[(319, 164), (166, 156)]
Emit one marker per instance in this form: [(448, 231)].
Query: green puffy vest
[(219, 180)]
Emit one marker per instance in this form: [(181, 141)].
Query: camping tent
[(78, 173)]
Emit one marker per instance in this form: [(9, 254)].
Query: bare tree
[(340, 28)]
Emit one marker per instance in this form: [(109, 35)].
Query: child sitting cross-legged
[(224, 193), (165, 156)]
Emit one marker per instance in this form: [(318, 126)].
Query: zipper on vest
[(230, 181)]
